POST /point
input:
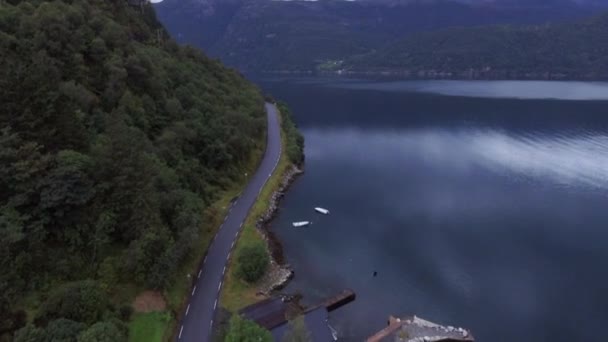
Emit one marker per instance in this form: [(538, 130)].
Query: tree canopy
[(252, 262)]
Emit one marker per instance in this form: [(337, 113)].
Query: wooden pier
[(339, 300)]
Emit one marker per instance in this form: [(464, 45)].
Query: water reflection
[(567, 159), (479, 212), (492, 89)]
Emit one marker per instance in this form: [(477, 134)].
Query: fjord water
[(485, 209)]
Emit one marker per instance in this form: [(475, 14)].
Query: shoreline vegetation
[(237, 293)]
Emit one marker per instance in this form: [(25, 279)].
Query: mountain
[(265, 35), (114, 142), (570, 51)]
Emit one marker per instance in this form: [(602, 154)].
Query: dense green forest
[(113, 139), (576, 50)]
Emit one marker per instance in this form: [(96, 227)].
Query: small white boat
[(301, 223), (322, 210)]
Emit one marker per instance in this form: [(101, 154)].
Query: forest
[(576, 50), (113, 140)]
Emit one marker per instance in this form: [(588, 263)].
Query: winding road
[(197, 320)]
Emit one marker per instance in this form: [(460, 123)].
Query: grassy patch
[(236, 293), (149, 327)]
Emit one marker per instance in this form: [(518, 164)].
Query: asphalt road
[(198, 317)]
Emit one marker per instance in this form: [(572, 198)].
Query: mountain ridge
[(262, 35)]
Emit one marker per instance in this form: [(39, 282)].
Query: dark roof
[(316, 323), (268, 313)]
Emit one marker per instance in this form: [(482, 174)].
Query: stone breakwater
[(279, 273)]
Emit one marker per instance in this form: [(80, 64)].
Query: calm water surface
[(479, 204)]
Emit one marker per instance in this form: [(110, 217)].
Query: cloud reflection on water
[(492, 89), (567, 160)]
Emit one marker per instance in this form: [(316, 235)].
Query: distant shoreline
[(465, 75)]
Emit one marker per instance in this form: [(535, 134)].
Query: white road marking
[(241, 226), (204, 261), (215, 304), (236, 235), (233, 241), (193, 290), (187, 309), (224, 271), (219, 286), (199, 273), (211, 324), (230, 253), (180, 332)]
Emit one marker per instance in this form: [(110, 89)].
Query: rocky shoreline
[(279, 272)]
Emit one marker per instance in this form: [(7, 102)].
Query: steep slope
[(262, 35), (113, 140), (575, 50)]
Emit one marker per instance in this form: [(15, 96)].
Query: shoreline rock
[(279, 273)]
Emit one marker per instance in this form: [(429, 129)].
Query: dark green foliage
[(81, 301), (242, 330), (64, 330), (297, 332), (295, 139), (252, 262), (10, 320), (113, 140), (104, 332), (30, 333), (573, 50)]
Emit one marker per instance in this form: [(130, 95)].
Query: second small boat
[(301, 223)]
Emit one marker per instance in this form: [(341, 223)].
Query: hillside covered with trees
[(576, 50), (113, 141)]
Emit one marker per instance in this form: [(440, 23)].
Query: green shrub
[(242, 330), (252, 262), (103, 332)]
